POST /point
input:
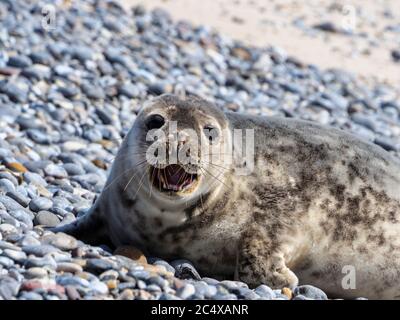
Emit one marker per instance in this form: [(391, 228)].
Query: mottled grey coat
[(319, 200)]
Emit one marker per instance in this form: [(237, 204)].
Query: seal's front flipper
[(261, 262), (90, 229)]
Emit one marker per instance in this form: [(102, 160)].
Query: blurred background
[(361, 36)]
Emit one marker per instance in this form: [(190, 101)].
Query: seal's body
[(321, 206)]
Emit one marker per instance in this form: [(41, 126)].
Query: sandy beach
[(360, 43)]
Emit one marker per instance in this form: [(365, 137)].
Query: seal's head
[(178, 148)]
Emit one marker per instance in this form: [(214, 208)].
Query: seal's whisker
[(202, 204), (219, 170), (152, 180), (134, 167), (216, 177), (130, 180), (140, 184), (207, 183), (217, 165)]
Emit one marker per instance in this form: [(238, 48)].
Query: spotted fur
[(319, 199)]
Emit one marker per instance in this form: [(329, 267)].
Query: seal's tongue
[(174, 174)]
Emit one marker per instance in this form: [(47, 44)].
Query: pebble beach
[(70, 90)]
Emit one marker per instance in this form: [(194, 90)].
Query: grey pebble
[(8, 287), (30, 296), (6, 262), (40, 262), (265, 292), (61, 241), (18, 197), (47, 219), (39, 250), (73, 169), (186, 291), (40, 203), (9, 203), (6, 186), (19, 61), (18, 256), (310, 292), (56, 171), (100, 265), (66, 280), (34, 178)]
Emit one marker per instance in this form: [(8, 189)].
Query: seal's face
[(179, 147)]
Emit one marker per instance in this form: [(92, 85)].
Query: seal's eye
[(211, 133), (155, 121)]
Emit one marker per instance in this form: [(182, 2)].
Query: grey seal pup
[(320, 206)]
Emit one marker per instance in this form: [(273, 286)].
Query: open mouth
[(172, 178)]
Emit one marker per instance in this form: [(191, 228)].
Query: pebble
[(39, 250), (299, 297), (61, 241), (19, 61), (45, 261), (16, 93), (56, 171), (310, 292), (30, 296), (287, 292), (7, 229), (98, 287), (18, 197), (31, 177), (72, 293), (8, 287), (186, 291), (9, 203), (73, 169), (44, 284), (6, 262), (28, 240), (16, 167), (69, 267), (46, 218), (396, 55), (100, 265), (40, 203), (6, 186), (17, 256), (132, 253), (265, 292), (66, 280), (35, 272), (165, 264), (23, 217)]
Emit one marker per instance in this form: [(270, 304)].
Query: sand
[(288, 24)]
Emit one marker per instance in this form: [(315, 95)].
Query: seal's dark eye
[(211, 133), (155, 121)]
